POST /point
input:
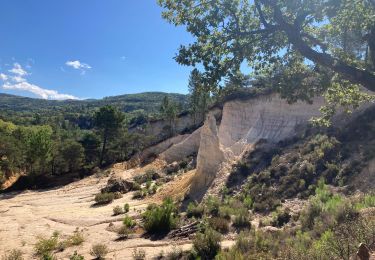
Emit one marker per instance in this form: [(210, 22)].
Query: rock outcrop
[(243, 124), (210, 156), (183, 149)]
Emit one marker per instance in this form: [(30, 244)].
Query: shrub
[(212, 206), (117, 211), (129, 222), (104, 198), (76, 256), (76, 239), (99, 251), (242, 220), (126, 208), (248, 202), (207, 244), (15, 254), (281, 218), (140, 194), (45, 246), (117, 195), (148, 176), (226, 211), (152, 189), (219, 224), (194, 210), (139, 254), (123, 231), (160, 219)]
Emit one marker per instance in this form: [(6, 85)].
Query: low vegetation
[(104, 198), (160, 219), (14, 254), (99, 251)]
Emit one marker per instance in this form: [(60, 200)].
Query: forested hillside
[(23, 110)]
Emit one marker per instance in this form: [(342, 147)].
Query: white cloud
[(19, 82), (3, 76), (18, 79), (18, 70), (41, 92), (78, 65)]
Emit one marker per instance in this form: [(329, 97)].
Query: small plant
[(104, 198), (207, 244), (219, 224), (117, 211), (76, 256), (281, 218), (139, 254), (76, 239), (242, 220), (15, 254), (99, 251), (194, 210), (160, 219), (140, 194), (123, 232), (129, 222), (117, 195), (45, 246), (212, 206), (152, 189), (126, 208)]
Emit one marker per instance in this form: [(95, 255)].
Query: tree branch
[(353, 74)]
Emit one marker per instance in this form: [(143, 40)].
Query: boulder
[(116, 184)]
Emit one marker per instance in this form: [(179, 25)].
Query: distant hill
[(148, 101), (23, 109)]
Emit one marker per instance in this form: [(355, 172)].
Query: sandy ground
[(31, 214)]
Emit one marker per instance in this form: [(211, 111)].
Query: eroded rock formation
[(243, 124)]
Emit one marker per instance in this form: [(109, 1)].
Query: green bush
[(126, 208), (104, 198), (45, 246), (15, 254), (242, 220), (160, 219), (207, 244), (129, 222), (281, 218), (99, 251), (117, 211), (140, 194), (212, 206), (148, 176), (219, 224), (194, 210)]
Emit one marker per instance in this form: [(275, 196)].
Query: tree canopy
[(320, 44)]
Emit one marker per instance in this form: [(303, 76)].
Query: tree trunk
[(105, 137)]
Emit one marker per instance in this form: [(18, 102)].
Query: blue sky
[(88, 48)]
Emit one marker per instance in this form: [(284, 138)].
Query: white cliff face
[(243, 124), (183, 149), (265, 117), (209, 158)]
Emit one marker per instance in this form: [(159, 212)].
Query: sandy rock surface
[(31, 214)]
